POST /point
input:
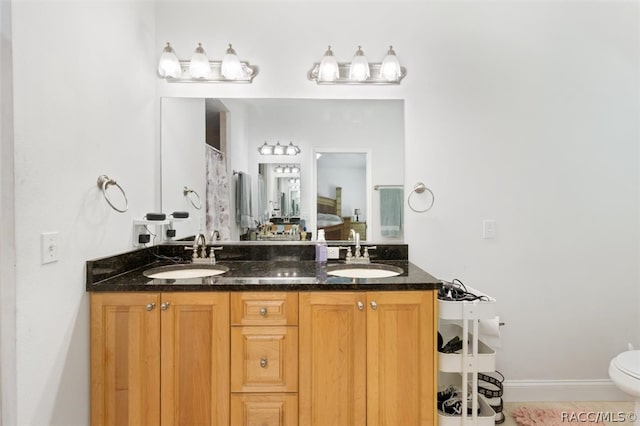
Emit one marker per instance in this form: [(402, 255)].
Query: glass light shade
[(265, 149), (295, 169), (390, 68), (199, 66), (169, 65), (279, 169), (287, 169), (231, 67), (328, 69), (292, 149), (359, 70), (278, 149)]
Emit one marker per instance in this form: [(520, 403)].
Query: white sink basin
[(367, 270), (181, 272)]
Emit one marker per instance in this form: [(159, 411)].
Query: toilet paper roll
[(489, 332)]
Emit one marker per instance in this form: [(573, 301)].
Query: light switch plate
[(49, 247), (489, 229)]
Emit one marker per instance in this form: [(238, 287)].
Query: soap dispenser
[(321, 247)]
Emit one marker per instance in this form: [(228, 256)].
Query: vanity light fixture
[(358, 71), (201, 70), (231, 67), (199, 66), (265, 149), (328, 68), (390, 68), (277, 149), (292, 149), (169, 66), (287, 169)]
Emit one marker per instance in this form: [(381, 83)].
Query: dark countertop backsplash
[(252, 267)]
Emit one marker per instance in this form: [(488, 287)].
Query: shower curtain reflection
[(217, 198)]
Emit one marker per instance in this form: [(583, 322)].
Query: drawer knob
[(374, 305), (360, 306), (164, 306), (263, 362), (150, 306), (263, 311)]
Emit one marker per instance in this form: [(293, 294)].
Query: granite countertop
[(284, 273)]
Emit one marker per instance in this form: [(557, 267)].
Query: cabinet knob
[(164, 306), (360, 306), (150, 306), (263, 311), (374, 305), (263, 362)]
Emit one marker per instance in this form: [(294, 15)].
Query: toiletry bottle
[(321, 247)]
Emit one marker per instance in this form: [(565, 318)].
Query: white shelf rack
[(474, 357)]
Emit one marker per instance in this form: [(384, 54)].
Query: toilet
[(624, 371)]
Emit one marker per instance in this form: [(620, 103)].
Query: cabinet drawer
[(264, 359), (249, 409), (263, 308)]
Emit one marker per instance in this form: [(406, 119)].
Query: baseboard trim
[(562, 390)]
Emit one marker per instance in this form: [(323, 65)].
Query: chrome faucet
[(199, 244), (356, 238), (215, 235)]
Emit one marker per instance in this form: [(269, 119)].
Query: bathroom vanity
[(274, 340)]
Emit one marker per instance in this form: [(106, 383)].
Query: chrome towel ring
[(104, 182), (419, 188), (195, 202)]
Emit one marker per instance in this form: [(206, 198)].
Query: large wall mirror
[(348, 146)]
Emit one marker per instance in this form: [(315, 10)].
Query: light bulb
[(390, 68), (359, 70), (169, 66), (231, 67), (278, 149), (265, 149), (292, 149), (199, 66), (328, 70)]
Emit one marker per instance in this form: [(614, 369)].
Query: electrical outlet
[(333, 253), (49, 247)]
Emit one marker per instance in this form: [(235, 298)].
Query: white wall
[(84, 105), (525, 113), (7, 235), (521, 112)]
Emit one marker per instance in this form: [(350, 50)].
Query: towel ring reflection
[(419, 188), (196, 202), (104, 182)]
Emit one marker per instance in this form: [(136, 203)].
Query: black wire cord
[(456, 290)]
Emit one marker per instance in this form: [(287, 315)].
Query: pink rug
[(530, 416)]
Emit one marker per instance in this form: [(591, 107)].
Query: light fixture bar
[(343, 77), (248, 73)]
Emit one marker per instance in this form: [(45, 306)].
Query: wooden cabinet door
[(332, 377), (125, 359), (195, 359), (401, 364)]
